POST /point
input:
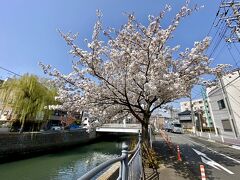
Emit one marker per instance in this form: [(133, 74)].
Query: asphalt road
[(220, 161)]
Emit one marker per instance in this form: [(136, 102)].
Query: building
[(185, 120), (224, 105), (203, 120), (197, 105)]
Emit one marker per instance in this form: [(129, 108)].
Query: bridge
[(120, 128)]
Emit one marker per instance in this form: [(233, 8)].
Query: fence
[(129, 170)]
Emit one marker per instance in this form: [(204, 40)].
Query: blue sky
[(28, 28)]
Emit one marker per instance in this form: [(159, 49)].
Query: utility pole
[(230, 14), (200, 120), (192, 114), (228, 107), (171, 112)]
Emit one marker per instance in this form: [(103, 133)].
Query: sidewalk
[(219, 138), (170, 168)]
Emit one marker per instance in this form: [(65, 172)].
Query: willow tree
[(134, 71), (27, 97)]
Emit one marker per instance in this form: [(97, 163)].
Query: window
[(221, 104), (177, 125), (226, 125), (200, 102)]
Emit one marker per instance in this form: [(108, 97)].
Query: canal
[(65, 165)]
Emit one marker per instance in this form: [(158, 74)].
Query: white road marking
[(210, 162), (214, 151), (224, 155)]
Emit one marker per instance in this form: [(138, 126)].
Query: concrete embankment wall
[(15, 145)]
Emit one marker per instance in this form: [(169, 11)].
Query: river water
[(65, 165)]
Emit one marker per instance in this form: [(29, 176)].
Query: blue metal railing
[(135, 170), (129, 169)]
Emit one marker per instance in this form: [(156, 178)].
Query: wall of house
[(15, 145), (232, 86), (218, 114)]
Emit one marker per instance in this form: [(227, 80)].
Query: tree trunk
[(145, 135)]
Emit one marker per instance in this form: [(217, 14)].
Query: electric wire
[(9, 71), (236, 62), (236, 49), (219, 40), (229, 83)]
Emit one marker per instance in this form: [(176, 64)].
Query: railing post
[(150, 134), (139, 136), (124, 162), (140, 152)]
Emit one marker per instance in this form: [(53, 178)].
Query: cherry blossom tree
[(133, 71)]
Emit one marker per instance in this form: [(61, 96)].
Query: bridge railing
[(115, 125), (129, 169)]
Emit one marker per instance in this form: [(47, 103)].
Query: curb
[(217, 141)]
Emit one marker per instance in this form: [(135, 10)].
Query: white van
[(177, 128)]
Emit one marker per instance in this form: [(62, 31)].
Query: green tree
[(28, 98)]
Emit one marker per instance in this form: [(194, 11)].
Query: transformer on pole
[(229, 12)]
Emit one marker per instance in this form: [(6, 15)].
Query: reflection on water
[(66, 165)]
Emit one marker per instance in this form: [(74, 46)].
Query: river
[(65, 165)]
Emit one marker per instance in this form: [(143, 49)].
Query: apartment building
[(202, 116), (197, 105)]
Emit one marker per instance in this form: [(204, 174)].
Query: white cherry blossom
[(133, 72)]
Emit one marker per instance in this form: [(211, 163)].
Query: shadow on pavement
[(151, 174), (169, 159)]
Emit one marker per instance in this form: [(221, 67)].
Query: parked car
[(177, 128), (56, 128)]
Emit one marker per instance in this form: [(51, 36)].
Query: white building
[(197, 105), (201, 111), (226, 117)]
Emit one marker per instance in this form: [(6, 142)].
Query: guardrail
[(129, 169)]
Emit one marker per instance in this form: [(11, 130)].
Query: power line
[(236, 62), (233, 20), (215, 19), (236, 48), (9, 71), (219, 88), (234, 98), (229, 83), (219, 40), (220, 51), (213, 22)]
